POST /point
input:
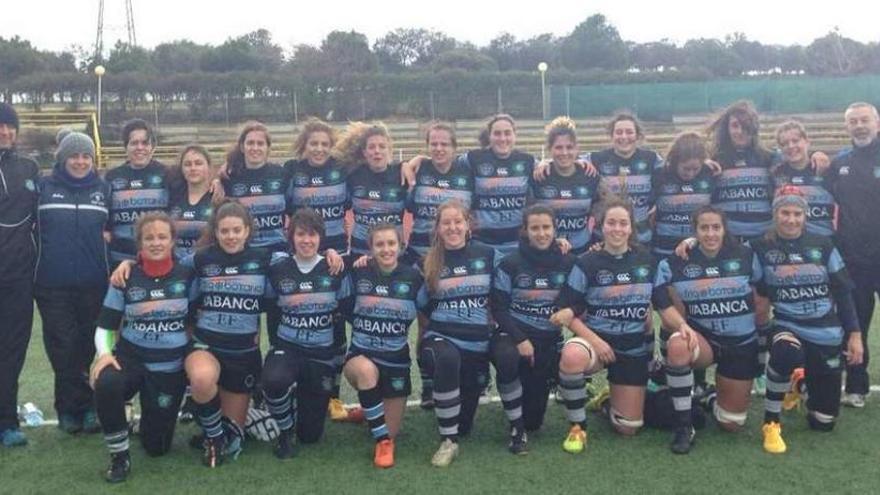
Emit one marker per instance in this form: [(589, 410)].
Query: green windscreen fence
[(661, 101)]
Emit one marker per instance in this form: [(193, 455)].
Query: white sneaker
[(445, 454), (853, 400)]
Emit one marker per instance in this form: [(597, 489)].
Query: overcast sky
[(54, 25)]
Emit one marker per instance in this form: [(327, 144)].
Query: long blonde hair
[(350, 148), (436, 257)]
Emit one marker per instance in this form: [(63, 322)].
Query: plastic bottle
[(31, 415)]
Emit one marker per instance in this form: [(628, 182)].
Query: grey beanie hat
[(72, 143)]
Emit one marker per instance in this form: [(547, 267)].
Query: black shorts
[(632, 368), (160, 393), (736, 361), (394, 381), (239, 372), (315, 375)]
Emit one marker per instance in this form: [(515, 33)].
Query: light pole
[(542, 68), (99, 71)]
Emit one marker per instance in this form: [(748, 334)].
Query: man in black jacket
[(18, 200), (855, 175)]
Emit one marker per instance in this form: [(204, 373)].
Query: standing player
[(805, 279), (791, 136), (374, 184), (190, 199), (856, 173), (299, 372), (386, 296), (71, 275), (717, 324), (526, 348), (137, 186), (438, 180), (681, 187), (612, 287), (457, 327), (569, 190), (260, 186), (150, 317)]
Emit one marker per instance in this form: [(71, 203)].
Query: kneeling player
[(614, 285), (148, 358), (804, 277), (526, 348), (714, 285), (378, 360), (299, 372)]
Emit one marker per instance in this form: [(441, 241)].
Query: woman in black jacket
[(71, 274)]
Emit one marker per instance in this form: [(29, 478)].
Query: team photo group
[(483, 269)]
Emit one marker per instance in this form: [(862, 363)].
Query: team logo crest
[(519, 167), (301, 180), (119, 183), (814, 255), (164, 401), (177, 288), (523, 281), (97, 198), (558, 279), (325, 282), (549, 192), (335, 175), (364, 287), (401, 289), (641, 273), (692, 271), (274, 185), (212, 270), (731, 266), (30, 186), (250, 266), (137, 294), (155, 180), (461, 182), (397, 383), (478, 265), (287, 285), (604, 277), (775, 256), (640, 166), (485, 169), (239, 189)]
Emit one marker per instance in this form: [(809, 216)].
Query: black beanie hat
[(8, 115)]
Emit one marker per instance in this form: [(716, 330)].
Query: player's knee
[(729, 420), (577, 356), (820, 421), (156, 446), (110, 383), (274, 383), (625, 425), (677, 352), (506, 360), (786, 353)]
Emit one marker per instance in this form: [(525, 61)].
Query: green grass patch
[(841, 461)]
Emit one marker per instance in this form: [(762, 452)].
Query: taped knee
[(621, 421), (724, 416), (586, 346), (820, 421)]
